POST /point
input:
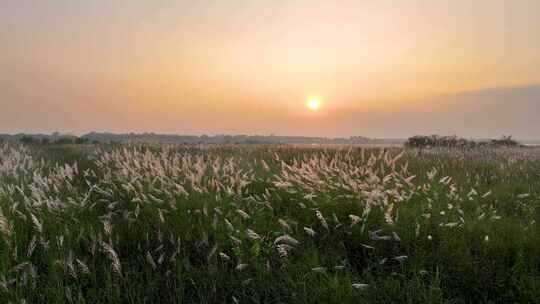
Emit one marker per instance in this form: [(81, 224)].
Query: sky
[(380, 68)]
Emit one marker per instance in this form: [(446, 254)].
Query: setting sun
[(314, 104)]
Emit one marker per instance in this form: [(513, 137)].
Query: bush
[(436, 141), (28, 140), (505, 141)]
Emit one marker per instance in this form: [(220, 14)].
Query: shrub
[(436, 141), (505, 141)]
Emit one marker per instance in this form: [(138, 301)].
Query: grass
[(263, 224)]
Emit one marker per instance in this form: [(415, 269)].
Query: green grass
[(178, 233)]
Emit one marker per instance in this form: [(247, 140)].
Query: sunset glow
[(212, 67)]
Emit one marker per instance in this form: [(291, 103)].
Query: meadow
[(268, 224)]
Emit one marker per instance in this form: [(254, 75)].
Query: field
[(268, 224)]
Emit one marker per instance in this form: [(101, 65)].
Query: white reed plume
[(36, 222), (113, 256), (360, 286), (283, 250), (321, 218), (310, 231), (287, 239), (241, 267), (243, 214), (5, 226), (253, 235), (224, 256)]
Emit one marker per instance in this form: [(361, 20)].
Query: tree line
[(436, 141)]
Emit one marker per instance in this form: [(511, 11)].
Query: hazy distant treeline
[(421, 141), (231, 139), (55, 138), (95, 137), (415, 141)]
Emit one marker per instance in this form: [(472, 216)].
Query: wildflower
[(354, 219)]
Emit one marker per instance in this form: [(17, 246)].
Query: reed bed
[(264, 224)]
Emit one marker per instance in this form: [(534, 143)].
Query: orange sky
[(248, 66)]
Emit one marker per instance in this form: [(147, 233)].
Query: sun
[(313, 103)]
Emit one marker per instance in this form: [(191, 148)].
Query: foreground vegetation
[(168, 224)]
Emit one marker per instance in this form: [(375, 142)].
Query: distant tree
[(81, 141), (505, 141), (28, 140), (436, 141), (64, 141)]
